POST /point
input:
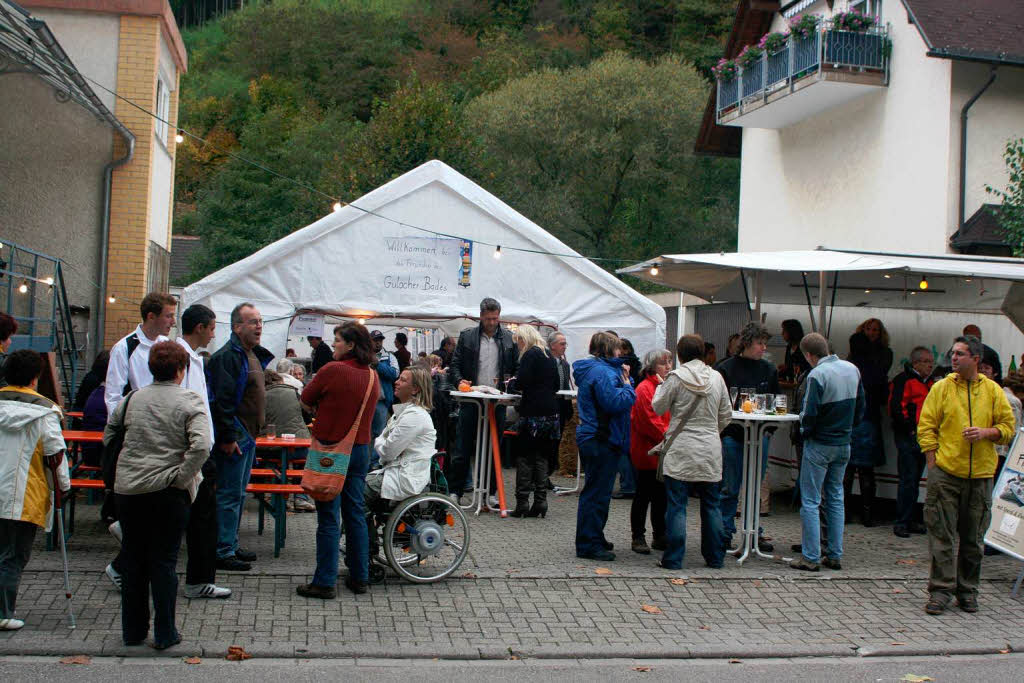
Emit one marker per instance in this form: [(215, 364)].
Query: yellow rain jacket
[(952, 407)]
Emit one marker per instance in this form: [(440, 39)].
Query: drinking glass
[(780, 404), (270, 431), (745, 400), (759, 404), (733, 393), (769, 404)]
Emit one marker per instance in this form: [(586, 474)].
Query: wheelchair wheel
[(426, 538)]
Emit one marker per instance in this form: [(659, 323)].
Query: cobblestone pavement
[(523, 592)]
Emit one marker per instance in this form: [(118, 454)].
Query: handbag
[(112, 449), (327, 466), (661, 448)]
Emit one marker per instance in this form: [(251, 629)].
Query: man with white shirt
[(198, 326), (128, 370)]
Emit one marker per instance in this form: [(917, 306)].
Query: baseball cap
[(376, 334)]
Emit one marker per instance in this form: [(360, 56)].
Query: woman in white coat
[(698, 400)]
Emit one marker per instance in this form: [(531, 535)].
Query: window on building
[(163, 109), (159, 268), (870, 7)]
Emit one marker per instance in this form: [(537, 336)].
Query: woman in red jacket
[(646, 430)]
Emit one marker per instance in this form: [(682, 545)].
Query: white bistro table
[(487, 439), (564, 490), (754, 426)]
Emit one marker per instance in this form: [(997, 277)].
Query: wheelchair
[(424, 538)]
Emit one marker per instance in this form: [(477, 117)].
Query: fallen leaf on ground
[(758, 584), (1004, 652), (192, 660), (735, 661), (644, 669), (651, 609), (897, 590), (897, 643), (603, 571), (678, 582), (77, 659), (469, 575), (237, 654), (916, 678), (705, 628), (906, 561)]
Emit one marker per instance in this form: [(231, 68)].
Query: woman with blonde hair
[(539, 426)]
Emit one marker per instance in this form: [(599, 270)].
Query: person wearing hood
[(627, 472), (866, 450), (906, 396), (698, 400), (604, 401), (30, 435), (962, 419), (646, 430)]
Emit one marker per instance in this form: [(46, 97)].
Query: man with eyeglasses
[(234, 375)]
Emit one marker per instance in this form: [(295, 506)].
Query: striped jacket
[(833, 404)]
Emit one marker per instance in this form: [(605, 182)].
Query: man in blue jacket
[(387, 371), (234, 378)]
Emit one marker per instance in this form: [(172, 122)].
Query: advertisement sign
[(307, 325), (1006, 532), (424, 267)]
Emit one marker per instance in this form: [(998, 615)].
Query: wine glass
[(733, 393)]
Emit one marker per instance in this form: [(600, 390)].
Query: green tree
[(602, 157), (1011, 213)]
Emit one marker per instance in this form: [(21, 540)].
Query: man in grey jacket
[(698, 400)]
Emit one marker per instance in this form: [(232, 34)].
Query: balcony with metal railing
[(807, 76)]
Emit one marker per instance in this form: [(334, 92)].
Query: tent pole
[(835, 283), (810, 308), (758, 295), (746, 293), (821, 300)]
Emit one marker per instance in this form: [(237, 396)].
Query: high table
[(487, 449), (287, 447), (754, 426), (563, 490)]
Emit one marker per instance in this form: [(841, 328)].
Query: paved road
[(993, 668)]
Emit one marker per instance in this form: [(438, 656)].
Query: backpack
[(132, 342), (112, 449)]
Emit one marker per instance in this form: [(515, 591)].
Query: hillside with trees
[(581, 114)]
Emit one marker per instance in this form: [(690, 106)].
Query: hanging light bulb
[(23, 288), (361, 321), (497, 252), (48, 281), (923, 284), (654, 270), (111, 299), (180, 136), (336, 206)]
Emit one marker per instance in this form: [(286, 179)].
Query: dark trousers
[(201, 536), (600, 465), (956, 507), (867, 488), (153, 524), (910, 466), (465, 454), (649, 493), (532, 469), (15, 549)]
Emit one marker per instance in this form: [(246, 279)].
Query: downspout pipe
[(108, 183), (963, 144)]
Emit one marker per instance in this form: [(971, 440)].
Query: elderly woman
[(338, 395), (284, 371), (646, 430), (539, 430), (406, 445), (166, 441), (605, 399), (698, 400)]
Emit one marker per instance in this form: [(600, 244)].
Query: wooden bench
[(275, 506), (267, 472)]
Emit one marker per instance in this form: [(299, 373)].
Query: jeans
[(956, 507), (823, 467), (232, 477), (627, 475), (460, 473), (732, 478), (153, 524), (712, 538), (910, 466), (649, 493), (15, 549), (201, 536), (600, 464), (348, 508)]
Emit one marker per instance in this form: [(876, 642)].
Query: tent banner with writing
[(422, 267)]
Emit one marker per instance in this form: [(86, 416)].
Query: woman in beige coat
[(698, 401)]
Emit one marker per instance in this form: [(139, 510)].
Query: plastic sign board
[(308, 325), (1006, 532)]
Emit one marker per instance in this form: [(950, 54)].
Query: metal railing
[(800, 57)]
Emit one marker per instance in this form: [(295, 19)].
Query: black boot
[(522, 507), (539, 509)]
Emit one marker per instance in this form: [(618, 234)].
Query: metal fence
[(800, 57)]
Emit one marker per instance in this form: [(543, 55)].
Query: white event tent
[(378, 260)]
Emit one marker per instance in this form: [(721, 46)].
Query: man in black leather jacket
[(484, 355)]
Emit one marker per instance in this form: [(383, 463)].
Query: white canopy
[(361, 263), (847, 278)]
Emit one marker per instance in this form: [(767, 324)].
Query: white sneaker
[(303, 504), (115, 531), (206, 590), (11, 624), (492, 501), (114, 577)]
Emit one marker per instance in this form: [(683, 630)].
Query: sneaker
[(11, 624), (492, 501), (233, 564), (176, 640), (804, 564), (113, 575), (968, 603), (640, 546), (205, 590), (935, 605), (917, 528), (901, 531), (608, 545), (311, 590), (115, 531), (831, 563), (245, 555), (764, 546), (602, 555), (357, 587), (303, 504)]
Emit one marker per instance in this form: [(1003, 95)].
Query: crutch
[(58, 504)]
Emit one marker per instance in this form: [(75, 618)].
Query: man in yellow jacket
[(962, 419)]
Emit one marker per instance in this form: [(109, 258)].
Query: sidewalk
[(523, 592)]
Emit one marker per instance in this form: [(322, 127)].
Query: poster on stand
[(1006, 532)]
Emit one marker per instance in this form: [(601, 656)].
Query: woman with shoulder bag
[(646, 430), (691, 456), (343, 395)]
